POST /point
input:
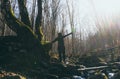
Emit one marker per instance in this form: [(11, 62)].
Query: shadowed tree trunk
[(24, 13), (33, 52), (38, 21)]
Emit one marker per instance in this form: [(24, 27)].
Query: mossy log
[(26, 48)]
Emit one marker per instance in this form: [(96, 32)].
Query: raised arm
[(56, 39), (67, 35)]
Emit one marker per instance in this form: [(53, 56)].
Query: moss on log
[(31, 51)]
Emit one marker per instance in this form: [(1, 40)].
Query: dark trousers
[(62, 56)]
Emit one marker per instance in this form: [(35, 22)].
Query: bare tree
[(71, 19)]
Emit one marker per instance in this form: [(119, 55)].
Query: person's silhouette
[(61, 46)]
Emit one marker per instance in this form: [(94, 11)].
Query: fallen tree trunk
[(24, 51)]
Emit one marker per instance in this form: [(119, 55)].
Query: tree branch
[(13, 23), (24, 13), (39, 21), (8, 15)]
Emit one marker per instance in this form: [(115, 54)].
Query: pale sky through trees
[(87, 11)]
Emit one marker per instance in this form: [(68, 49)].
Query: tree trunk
[(33, 52), (24, 13), (38, 29)]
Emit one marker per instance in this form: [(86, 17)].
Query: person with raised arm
[(61, 46)]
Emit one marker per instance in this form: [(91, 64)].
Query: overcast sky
[(87, 11)]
